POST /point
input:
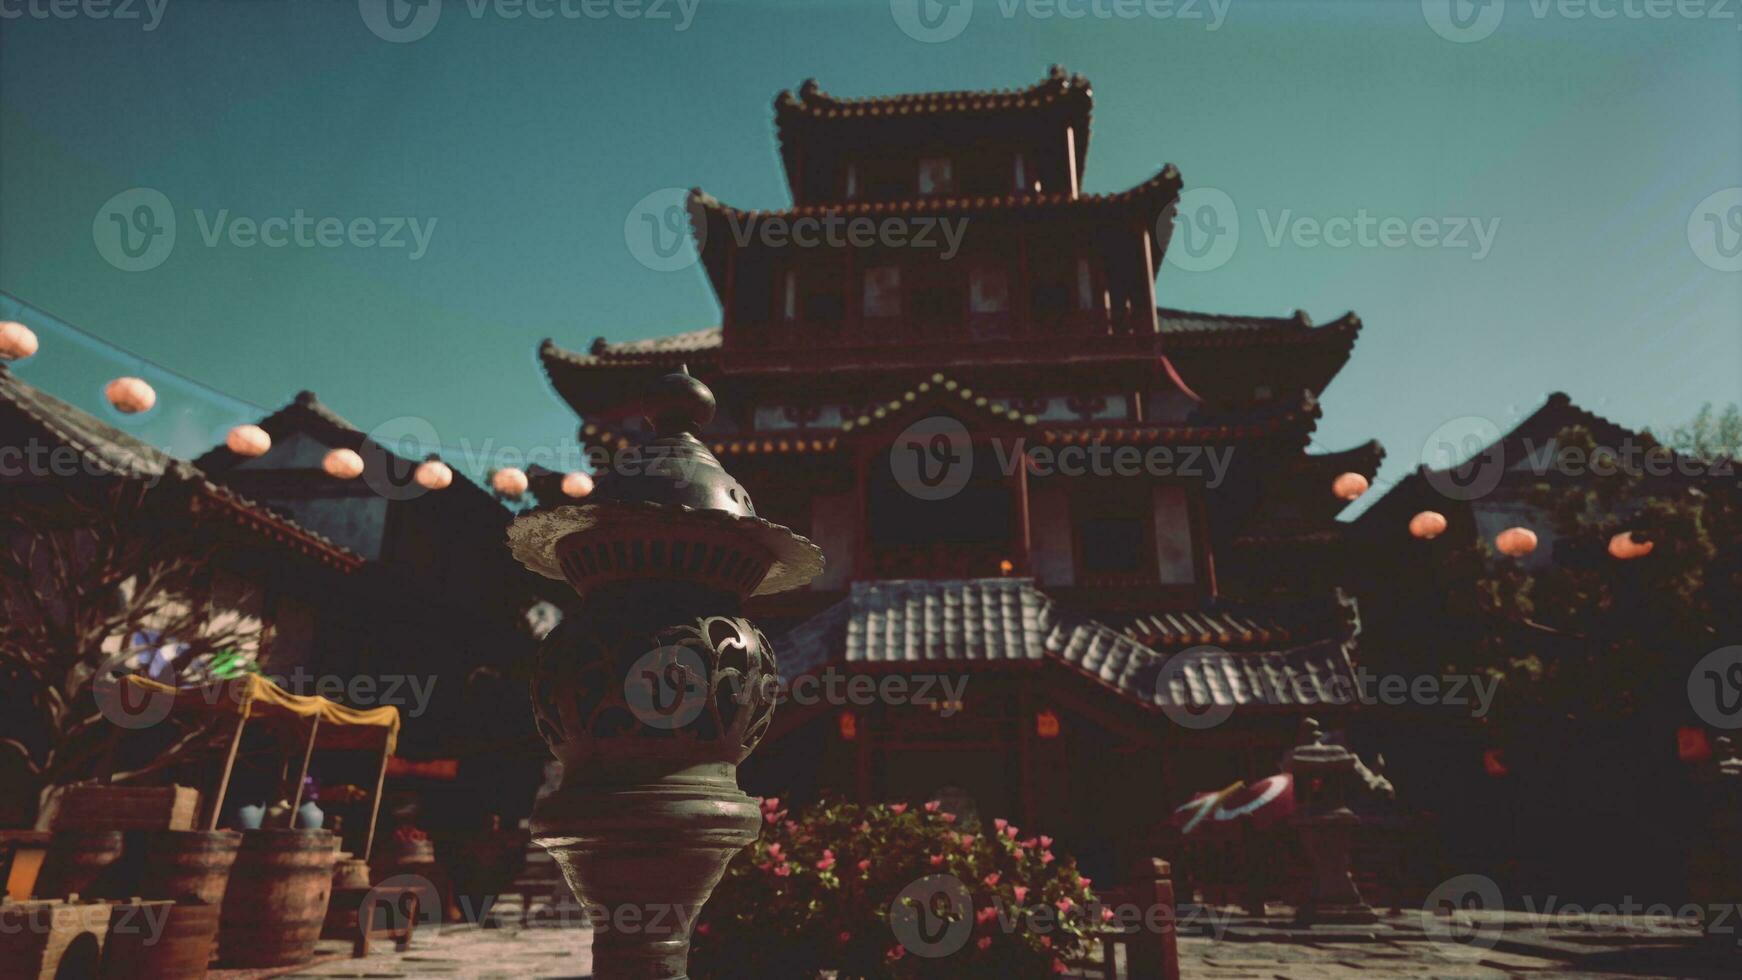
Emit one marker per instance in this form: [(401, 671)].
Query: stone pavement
[(1527, 947)]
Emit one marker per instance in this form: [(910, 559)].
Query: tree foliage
[(89, 579), (1588, 636)]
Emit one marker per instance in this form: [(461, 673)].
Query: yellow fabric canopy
[(253, 696)]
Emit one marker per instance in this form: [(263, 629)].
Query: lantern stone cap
[(533, 537), (673, 482), (1314, 755)]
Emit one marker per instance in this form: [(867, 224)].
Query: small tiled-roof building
[(1029, 476), (373, 578)]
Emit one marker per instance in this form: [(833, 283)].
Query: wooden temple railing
[(850, 333), (940, 560)]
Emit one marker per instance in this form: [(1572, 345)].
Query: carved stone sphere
[(614, 694)]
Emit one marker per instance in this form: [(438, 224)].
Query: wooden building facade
[(1091, 516)]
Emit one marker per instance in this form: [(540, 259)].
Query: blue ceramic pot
[(309, 816)]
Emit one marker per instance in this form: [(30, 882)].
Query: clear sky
[(1556, 168)]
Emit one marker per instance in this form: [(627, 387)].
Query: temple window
[(789, 295), (988, 290), (1021, 174), (1090, 296), (883, 291), (935, 176), (852, 188)]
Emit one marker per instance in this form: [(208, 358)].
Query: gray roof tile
[(1009, 620)]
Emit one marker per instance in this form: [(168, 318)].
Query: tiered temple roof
[(811, 116)]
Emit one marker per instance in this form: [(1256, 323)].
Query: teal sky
[(1596, 144)]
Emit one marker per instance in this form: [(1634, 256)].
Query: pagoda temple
[(1086, 522)]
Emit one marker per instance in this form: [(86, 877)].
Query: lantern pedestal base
[(1333, 898), (643, 857)]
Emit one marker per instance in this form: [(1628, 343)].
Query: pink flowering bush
[(815, 893)]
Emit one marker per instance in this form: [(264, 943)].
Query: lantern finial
[(679, 403)]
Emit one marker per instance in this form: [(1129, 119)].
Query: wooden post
[(1025, 750), (1149, 273), (862, 568), (375, 812), (1024, 529), (1155, 954), (302, 776), (229, 767)]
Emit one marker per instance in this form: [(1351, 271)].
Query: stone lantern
[(1326, 778), (655, 689)]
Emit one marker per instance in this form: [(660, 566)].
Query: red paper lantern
[(248, 440), (1348, 486), (849, 725), (1692, 745), (509, 482), (1046, 723), (343, 464), (17, 341), (1516, 541), (1626, 547), (1428, 525), (1494, 763), (130, 395), (577, 484), (433, 474)]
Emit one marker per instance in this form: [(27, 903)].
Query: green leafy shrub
[(816, 892)]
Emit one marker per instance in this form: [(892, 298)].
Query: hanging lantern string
[(36, 317)]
